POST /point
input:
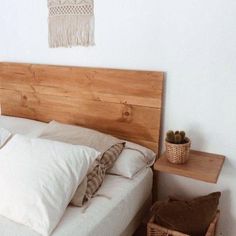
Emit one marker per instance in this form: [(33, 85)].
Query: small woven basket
[(178, 153), (156, 230)]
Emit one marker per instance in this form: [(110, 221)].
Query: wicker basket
[(177, 153), (156, 230)]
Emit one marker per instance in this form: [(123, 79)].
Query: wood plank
[(126, 104), (200, 166), (93, 84), (123, 113), (83, 94)]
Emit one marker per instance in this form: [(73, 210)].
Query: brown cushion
[(95, 178), (189, 217)]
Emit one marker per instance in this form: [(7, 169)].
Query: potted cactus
[(177, 147)]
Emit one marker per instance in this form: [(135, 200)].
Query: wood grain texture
[(201, 166), (124, 103)]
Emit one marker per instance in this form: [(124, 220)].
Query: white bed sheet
[(103, 217)]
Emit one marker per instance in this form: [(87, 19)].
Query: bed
[(125, 104)]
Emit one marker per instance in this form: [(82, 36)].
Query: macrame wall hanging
[(71, 23)]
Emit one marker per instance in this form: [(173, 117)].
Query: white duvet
[(38, 179)]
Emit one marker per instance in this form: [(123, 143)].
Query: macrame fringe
[(71, 30)]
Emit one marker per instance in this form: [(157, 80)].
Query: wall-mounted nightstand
[(200, 166)]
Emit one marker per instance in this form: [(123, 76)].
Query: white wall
[(193, 41)]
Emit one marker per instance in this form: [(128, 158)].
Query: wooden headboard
[(126, 104)]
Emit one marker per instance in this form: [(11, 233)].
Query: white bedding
[(38, 178), (103, 217), (23, 126)]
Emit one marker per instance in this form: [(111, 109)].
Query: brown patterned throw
[(71, 23), (94, 179)]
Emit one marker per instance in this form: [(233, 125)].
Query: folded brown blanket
[(190, 217)]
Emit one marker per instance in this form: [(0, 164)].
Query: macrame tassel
[(71, 30), (71, 23)]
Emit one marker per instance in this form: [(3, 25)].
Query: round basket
[(156, 230), (177, 153)]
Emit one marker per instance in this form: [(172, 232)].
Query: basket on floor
[(157, 230), (178, 153)]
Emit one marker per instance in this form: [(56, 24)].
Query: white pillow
[(4, 136), (38, 179), (79, 135), (132, 160), (16, 125)]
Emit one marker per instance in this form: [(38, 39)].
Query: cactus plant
[(182, 133), (170, 136), (177, 137)]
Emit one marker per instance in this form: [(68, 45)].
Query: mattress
[(106, 215)]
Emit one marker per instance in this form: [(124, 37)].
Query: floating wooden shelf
[(201, 166)]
